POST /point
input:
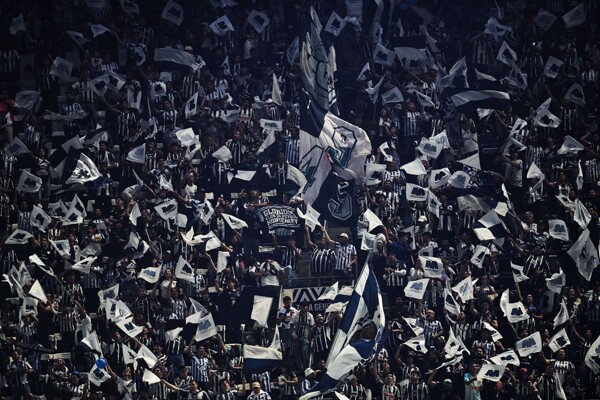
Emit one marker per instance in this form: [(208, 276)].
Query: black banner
[(278, 216)]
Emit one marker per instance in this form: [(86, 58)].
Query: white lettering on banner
[(280, 217), (311, 296)]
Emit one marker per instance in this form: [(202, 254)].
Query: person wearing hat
[(345, 257), (310, 381), (258, 393), (74, 388)]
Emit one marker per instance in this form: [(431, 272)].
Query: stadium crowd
[(481, 225)]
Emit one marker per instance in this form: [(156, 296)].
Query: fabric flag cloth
[(416, 192), (61, 68), (37, 292), (365, 308), (552, 67), (459, 180), (129, 328), (575, 95), (85, 170), (414, 167), (78, 38), (373, 91), (491, 372), (335, 24), (454, 346), (557, 281), (413, 325), (191, 106), (506, 55), (558, 229), (15, 148), (39, 218), (98, 375), (518, 274), (471, 100), (382, 55), (496, 29), (417, 344), (234, 222), (172, 59), (506, 358), (416, 289), (493, 332), (150, 274), (530, 345), (570, 145), (258, 359), (330, 292), (516, 312), (184, 270), (464, 289), (276, 92), (261, 309), (585, 255), (472, 161), (221, 26), (137, 154), (439, 177), (293, 50), (18, 237), (459, 69), (544, 19), (429, 148), (425, 100), (149, 377), (450, 303), (84, 265), (29, 183), (223, 154), (93, 343), (17, 24), (258, 20), (27, 99), (560, 340), (576, 16), (517, 78), (392, 96), (372, 219), (206, 328), (98, 29), (173, 13), (365, 74), (592, 357)]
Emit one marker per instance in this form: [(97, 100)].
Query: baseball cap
[(308, 371), (188, 48), (255, 385), (344, 235)]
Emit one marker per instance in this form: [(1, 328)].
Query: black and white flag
[(99, 85), (576, 16), (84, 171), (17, 24), (425, 100), (61, 69), (557, 281), (581, 215), (191, 106), (491, 372), (517, 78), (552, 67), (78, 38), (365, 74), (258, 20), (429, 148), (15, 148), (518, 274), (29, 183), (416, 289), (19, 236), (184, 270), (562, 316), (382, 55), (506, 55), (560, 340), (544, 19), (27, 99), (530, 345), (39, 218), (474, 99), (415, 192), (114, 81), (221, 26), (433, 267), (98, 29), (557, 229), (166, 59), (393, 95), (592, 357), (464, 289), (506, 358), (173, 13), (293, 50), (570, 145), (543, 116), (575, 95), (439, 177), (585, 255), (335, 24)]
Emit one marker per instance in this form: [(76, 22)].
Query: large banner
[(278, 216), (310, 295)]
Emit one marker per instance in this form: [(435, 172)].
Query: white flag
[(493, 332), (258, 20), (425, 100), (293, 51), (206, 328), (414, 167), (552, 67), (98, 375), (439, 177), (429, 148), (517, 78), (150, 274), (506, 55), (17, 24), (556, 282), (479, 255), (416, 289), (173, 13), (18, 236), (85, 171), (585, 255), (454, 345), (491, 372), (61, 68), (276, 92), (84, 265), (417, 344), (98, 29), (93, 342), (576, 16), (234, 222), (373, 92), (562, 316), (29, 183), (592, 357), (557, 229), (223, 154), (560, 340), (570, 145), (582, 216), (450, 303), (518, 274), (78, 38), (516, 312), (137, 154), (15, 148), (416, 192), (365, 74), (464, 289), (575, 95), (530, 345), (27, 99), (433, 267), (221, 26), (535, 172), (149, 377), (330, 292), (191, 106), (184, 270), (459, 180), (383, 56), (544, 19), (496, 29), (393, 95), (39, 218), (506, 358), (261, 309), (472, 161), (38, 292), (127, 326), (335, 24)]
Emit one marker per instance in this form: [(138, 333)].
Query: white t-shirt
[(272, 276)]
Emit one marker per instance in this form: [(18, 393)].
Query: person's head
[(415, 376), (561, 355), (474, 368), (75, 377), (389, 379), (430, 315), (549, 371), (256, 387), (224, 385), (303, 307), (287, 301), (343, 238)]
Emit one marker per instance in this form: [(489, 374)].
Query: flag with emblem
[(382, 55), (585, 255), (173, 13), (39, 218), (576, 16), (335, 24), (137, 154), (544, 19), (17, 24), (491, 372), (258, 20), (184, 270), (29, 183), (15, 148), (416, 289), (85, 170), (552, 67), (506, 55), (61, 69), (575, 95), (530, 345), (221, 26)]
